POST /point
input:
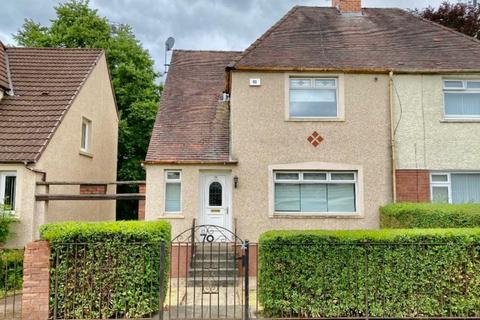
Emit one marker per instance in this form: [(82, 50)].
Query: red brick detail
[(142, 188), (348, 6), (93, 189), (413, 185), (36, 281), (315, 139)]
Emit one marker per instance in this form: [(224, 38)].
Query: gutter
[(210, 162), (392, 138)]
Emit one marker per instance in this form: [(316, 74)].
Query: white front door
[(216, 204)]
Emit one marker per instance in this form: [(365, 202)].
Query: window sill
[(460, 120), (314, 119), (86, 154), (172, 216), (320, 215)]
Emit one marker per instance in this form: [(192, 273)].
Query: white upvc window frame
[(441, 184), (3, 176), (172, 181), (328, 180), (338, 78), (464, 90), (86, 140), (446, 184)]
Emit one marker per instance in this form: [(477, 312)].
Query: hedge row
[(403, 273), (430, 215), (107, 269)]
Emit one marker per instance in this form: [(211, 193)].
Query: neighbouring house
[(58, 122), (330, 114)]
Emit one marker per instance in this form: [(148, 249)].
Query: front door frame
[(228, 196)]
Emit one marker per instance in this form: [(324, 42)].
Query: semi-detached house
[(330, 114)]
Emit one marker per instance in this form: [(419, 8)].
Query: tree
[(459, 16), (76, 25)]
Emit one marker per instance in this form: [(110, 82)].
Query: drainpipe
[(392, 138)]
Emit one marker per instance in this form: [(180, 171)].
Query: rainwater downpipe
[(392, 138)]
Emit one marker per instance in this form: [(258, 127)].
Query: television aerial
[(168, 47)]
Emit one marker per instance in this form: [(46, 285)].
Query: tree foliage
[(461, 17), (76, 25)]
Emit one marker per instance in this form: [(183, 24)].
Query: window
[(313, 98), (8, 182), (455, 187), (215, 194), (315, 192), (173, 188), (86, 132), (462, 98)]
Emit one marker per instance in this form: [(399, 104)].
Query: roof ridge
[(440, 26), (263, 36), (213, 51), (55, 48)]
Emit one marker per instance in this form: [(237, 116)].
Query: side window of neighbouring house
[(315, 192), (8, 181), (462, 98), (455, 187), (313, 98), (86, 135), (173, 191)]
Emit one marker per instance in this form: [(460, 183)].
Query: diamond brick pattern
[(315, 139)]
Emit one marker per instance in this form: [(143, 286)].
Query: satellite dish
[(169, 43)]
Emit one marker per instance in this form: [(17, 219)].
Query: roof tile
[(45, 82)]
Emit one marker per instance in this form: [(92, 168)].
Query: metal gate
[(208, 275)]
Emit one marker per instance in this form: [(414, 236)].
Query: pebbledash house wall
[(425, 141), (62, 161), (262, 138)]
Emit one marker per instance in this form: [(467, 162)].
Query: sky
[(195, 24)]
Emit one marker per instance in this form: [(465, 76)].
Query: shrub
[(430, 215), (6, 219), (107, 269), (403, 273), (11, 271)]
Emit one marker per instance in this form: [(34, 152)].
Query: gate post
[(246, 273), (161, 270)]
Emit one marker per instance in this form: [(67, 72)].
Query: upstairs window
[(313, 98), (173, 191), (462, 98), (315, 192), (86, 135), (8, 181)]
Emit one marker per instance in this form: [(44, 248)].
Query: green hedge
[(11, 271), (403, 273), (106, 269), (430, 215)]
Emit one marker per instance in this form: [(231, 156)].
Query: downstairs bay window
[(455, 187), (315, 192)]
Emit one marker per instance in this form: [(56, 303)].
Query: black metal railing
[(99, 281), (11, 280)]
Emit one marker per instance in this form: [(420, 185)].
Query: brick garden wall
[(36, 281), (413, 185), (93, 189), (141, 203)]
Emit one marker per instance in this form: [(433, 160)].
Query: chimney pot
[(348, 6)]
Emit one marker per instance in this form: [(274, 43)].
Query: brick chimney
[(348, 6)]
